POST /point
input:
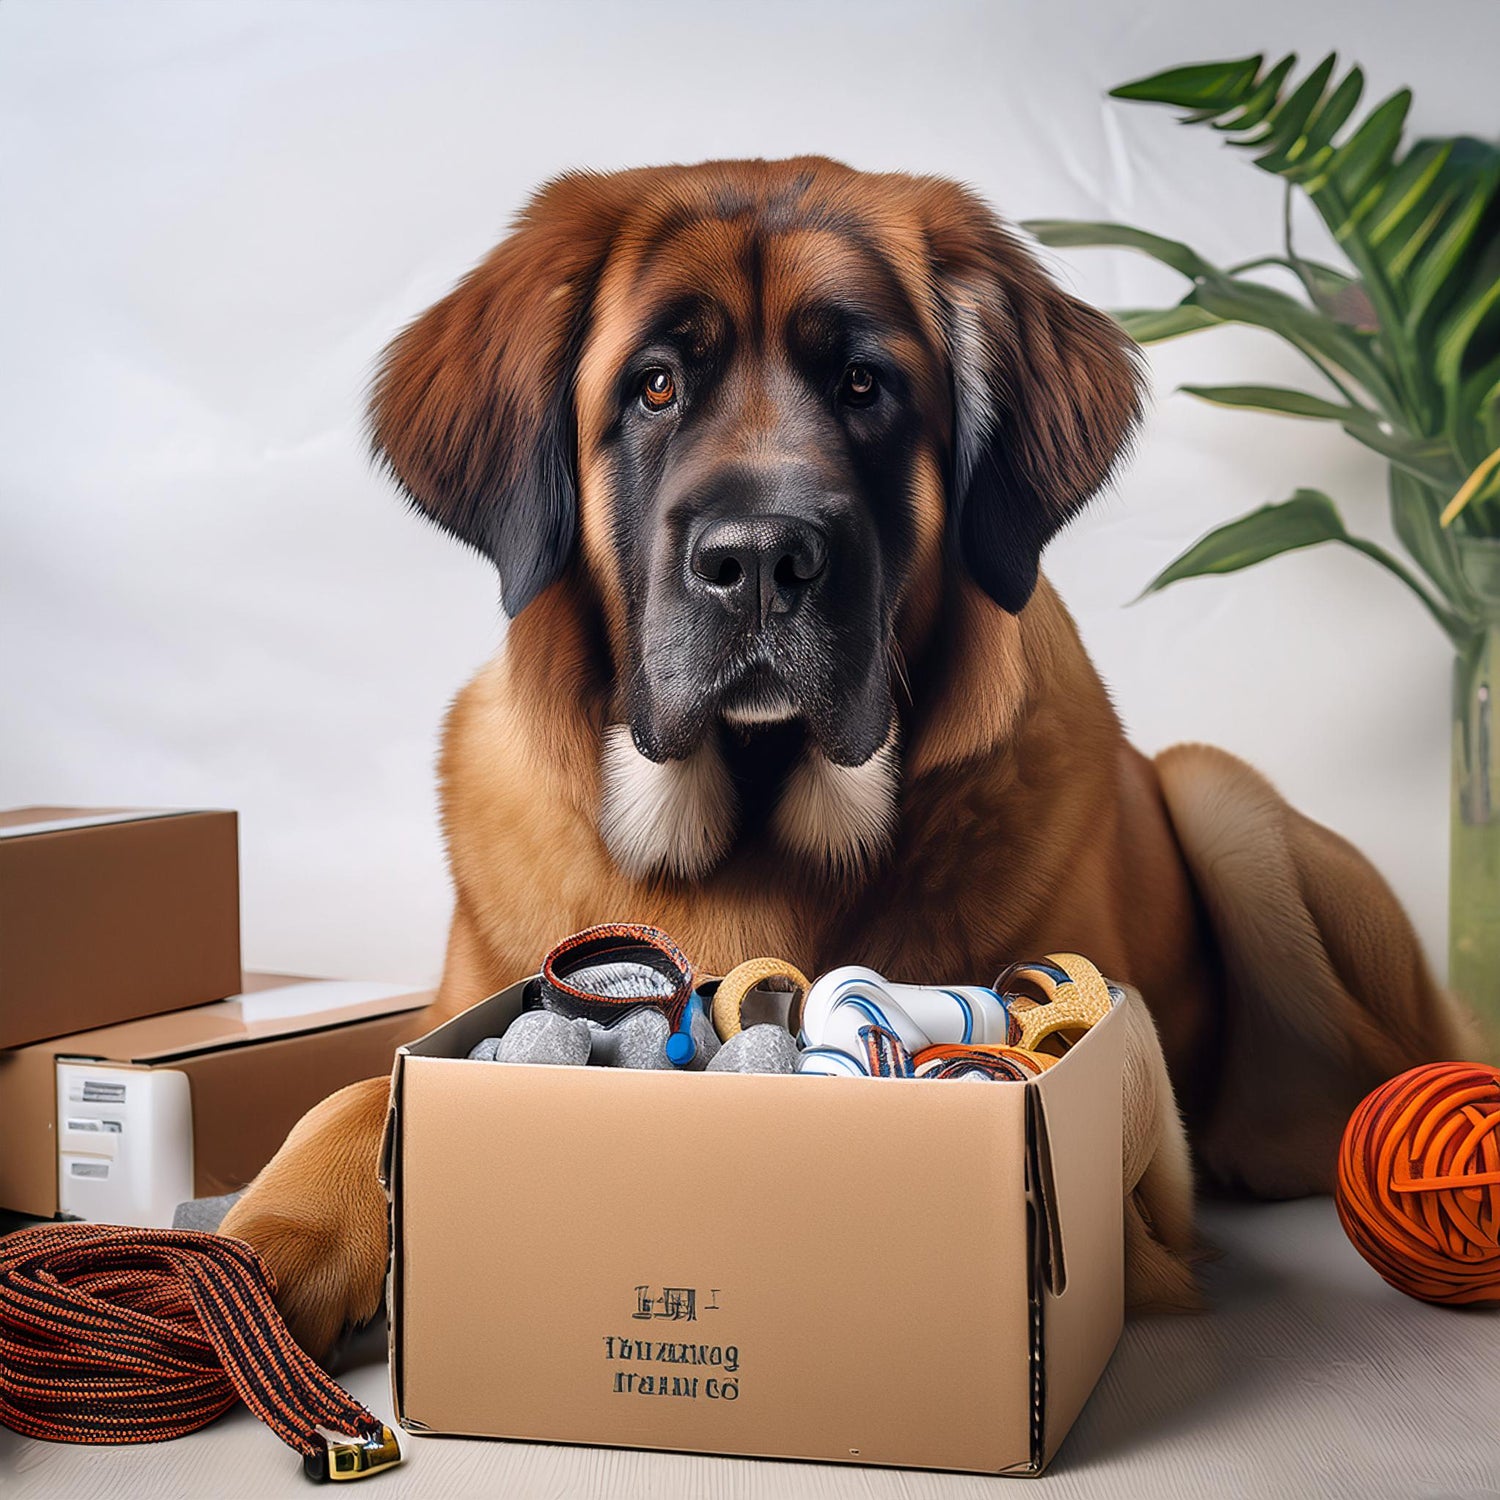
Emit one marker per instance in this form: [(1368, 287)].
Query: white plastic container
[(124, 1143)]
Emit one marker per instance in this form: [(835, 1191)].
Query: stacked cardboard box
[(139, 1067)]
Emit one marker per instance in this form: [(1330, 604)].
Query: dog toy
[(766, 1048), (640, 1041), (1076, 996), (112, 1335), (729, 998), (844, 1001), (852, 1016), (539, 1036), (1013, 1064), (1418, 1189), (604, 972), (882, 1054)]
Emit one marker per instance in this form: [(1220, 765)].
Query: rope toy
[(729, 998), (1010, 1064), (111, 1335), (1418, 1188)]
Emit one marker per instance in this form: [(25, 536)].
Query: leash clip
[(340, 1461)]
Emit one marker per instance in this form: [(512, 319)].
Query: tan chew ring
[(1072, 1005), (740, 980)]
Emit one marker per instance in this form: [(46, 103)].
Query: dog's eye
[(860, 386), (658, 389)]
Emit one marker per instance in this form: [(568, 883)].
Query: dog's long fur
[(1004, 814)]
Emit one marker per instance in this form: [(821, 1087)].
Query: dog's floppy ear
[(1046, 394), (472, 407)]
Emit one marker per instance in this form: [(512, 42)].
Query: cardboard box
[(105, 1117), (852, 1270), (107, 915)]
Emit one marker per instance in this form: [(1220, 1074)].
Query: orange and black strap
[(111, 1335)]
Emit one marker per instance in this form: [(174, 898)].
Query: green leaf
[(1067, 234), (1404, 193), (1306, 158), (1415, 507), (1308, 519), (1367, 153), (1324, 341), (1154, 325), (1197, 86), (1278, 400), (1427, 459), (1258, 104), (1287, 134), (1438, 272), (1305, 520)]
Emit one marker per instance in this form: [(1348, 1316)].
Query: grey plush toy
[(758, 1049), (641, 1040), (538, 1036), (638, 1040)]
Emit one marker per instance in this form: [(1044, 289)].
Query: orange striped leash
[(111, 1335)]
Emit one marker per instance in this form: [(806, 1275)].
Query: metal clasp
[(353, 1460)]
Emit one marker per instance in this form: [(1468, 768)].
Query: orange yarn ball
[(1419, 1182)]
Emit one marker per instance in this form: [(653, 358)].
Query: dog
[(766, 454)]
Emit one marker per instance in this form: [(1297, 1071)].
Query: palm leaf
[(1308, 519), (1154, 325), (1417, 226), (1279, 401), (1066, 234)]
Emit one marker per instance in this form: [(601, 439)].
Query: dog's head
[(769, 411)]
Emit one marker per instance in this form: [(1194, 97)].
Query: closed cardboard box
[(194, 1103), (857, 1270), (108, 915)]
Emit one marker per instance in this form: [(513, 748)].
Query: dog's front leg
[(317, 1215), (317, 1212)]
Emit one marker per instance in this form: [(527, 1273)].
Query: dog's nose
[(763, 561)]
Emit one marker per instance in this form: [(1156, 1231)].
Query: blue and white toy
[(844, 1001)]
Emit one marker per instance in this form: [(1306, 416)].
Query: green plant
[(1407, 335)]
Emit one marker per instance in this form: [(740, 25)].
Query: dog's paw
[(317, 1216)]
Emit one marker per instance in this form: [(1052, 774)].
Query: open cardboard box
[(853, 1270)]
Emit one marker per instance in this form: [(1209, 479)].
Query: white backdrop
[(212, 215)]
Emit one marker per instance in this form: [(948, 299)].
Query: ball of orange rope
[(1419, 1182)]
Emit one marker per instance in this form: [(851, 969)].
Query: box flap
[(254, 1016), (1075, 1157)]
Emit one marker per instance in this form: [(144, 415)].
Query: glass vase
[(1474, 851)]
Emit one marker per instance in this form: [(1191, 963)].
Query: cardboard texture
[(107, 915), (851, 1270), (255, 1064)]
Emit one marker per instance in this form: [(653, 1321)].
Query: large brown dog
[(766, 454)]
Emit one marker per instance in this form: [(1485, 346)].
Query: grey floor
[(1310, 1377)]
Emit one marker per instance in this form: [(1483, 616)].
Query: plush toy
[(538, 1036), (1418, 1188), (619, 995), (766, 1048)]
